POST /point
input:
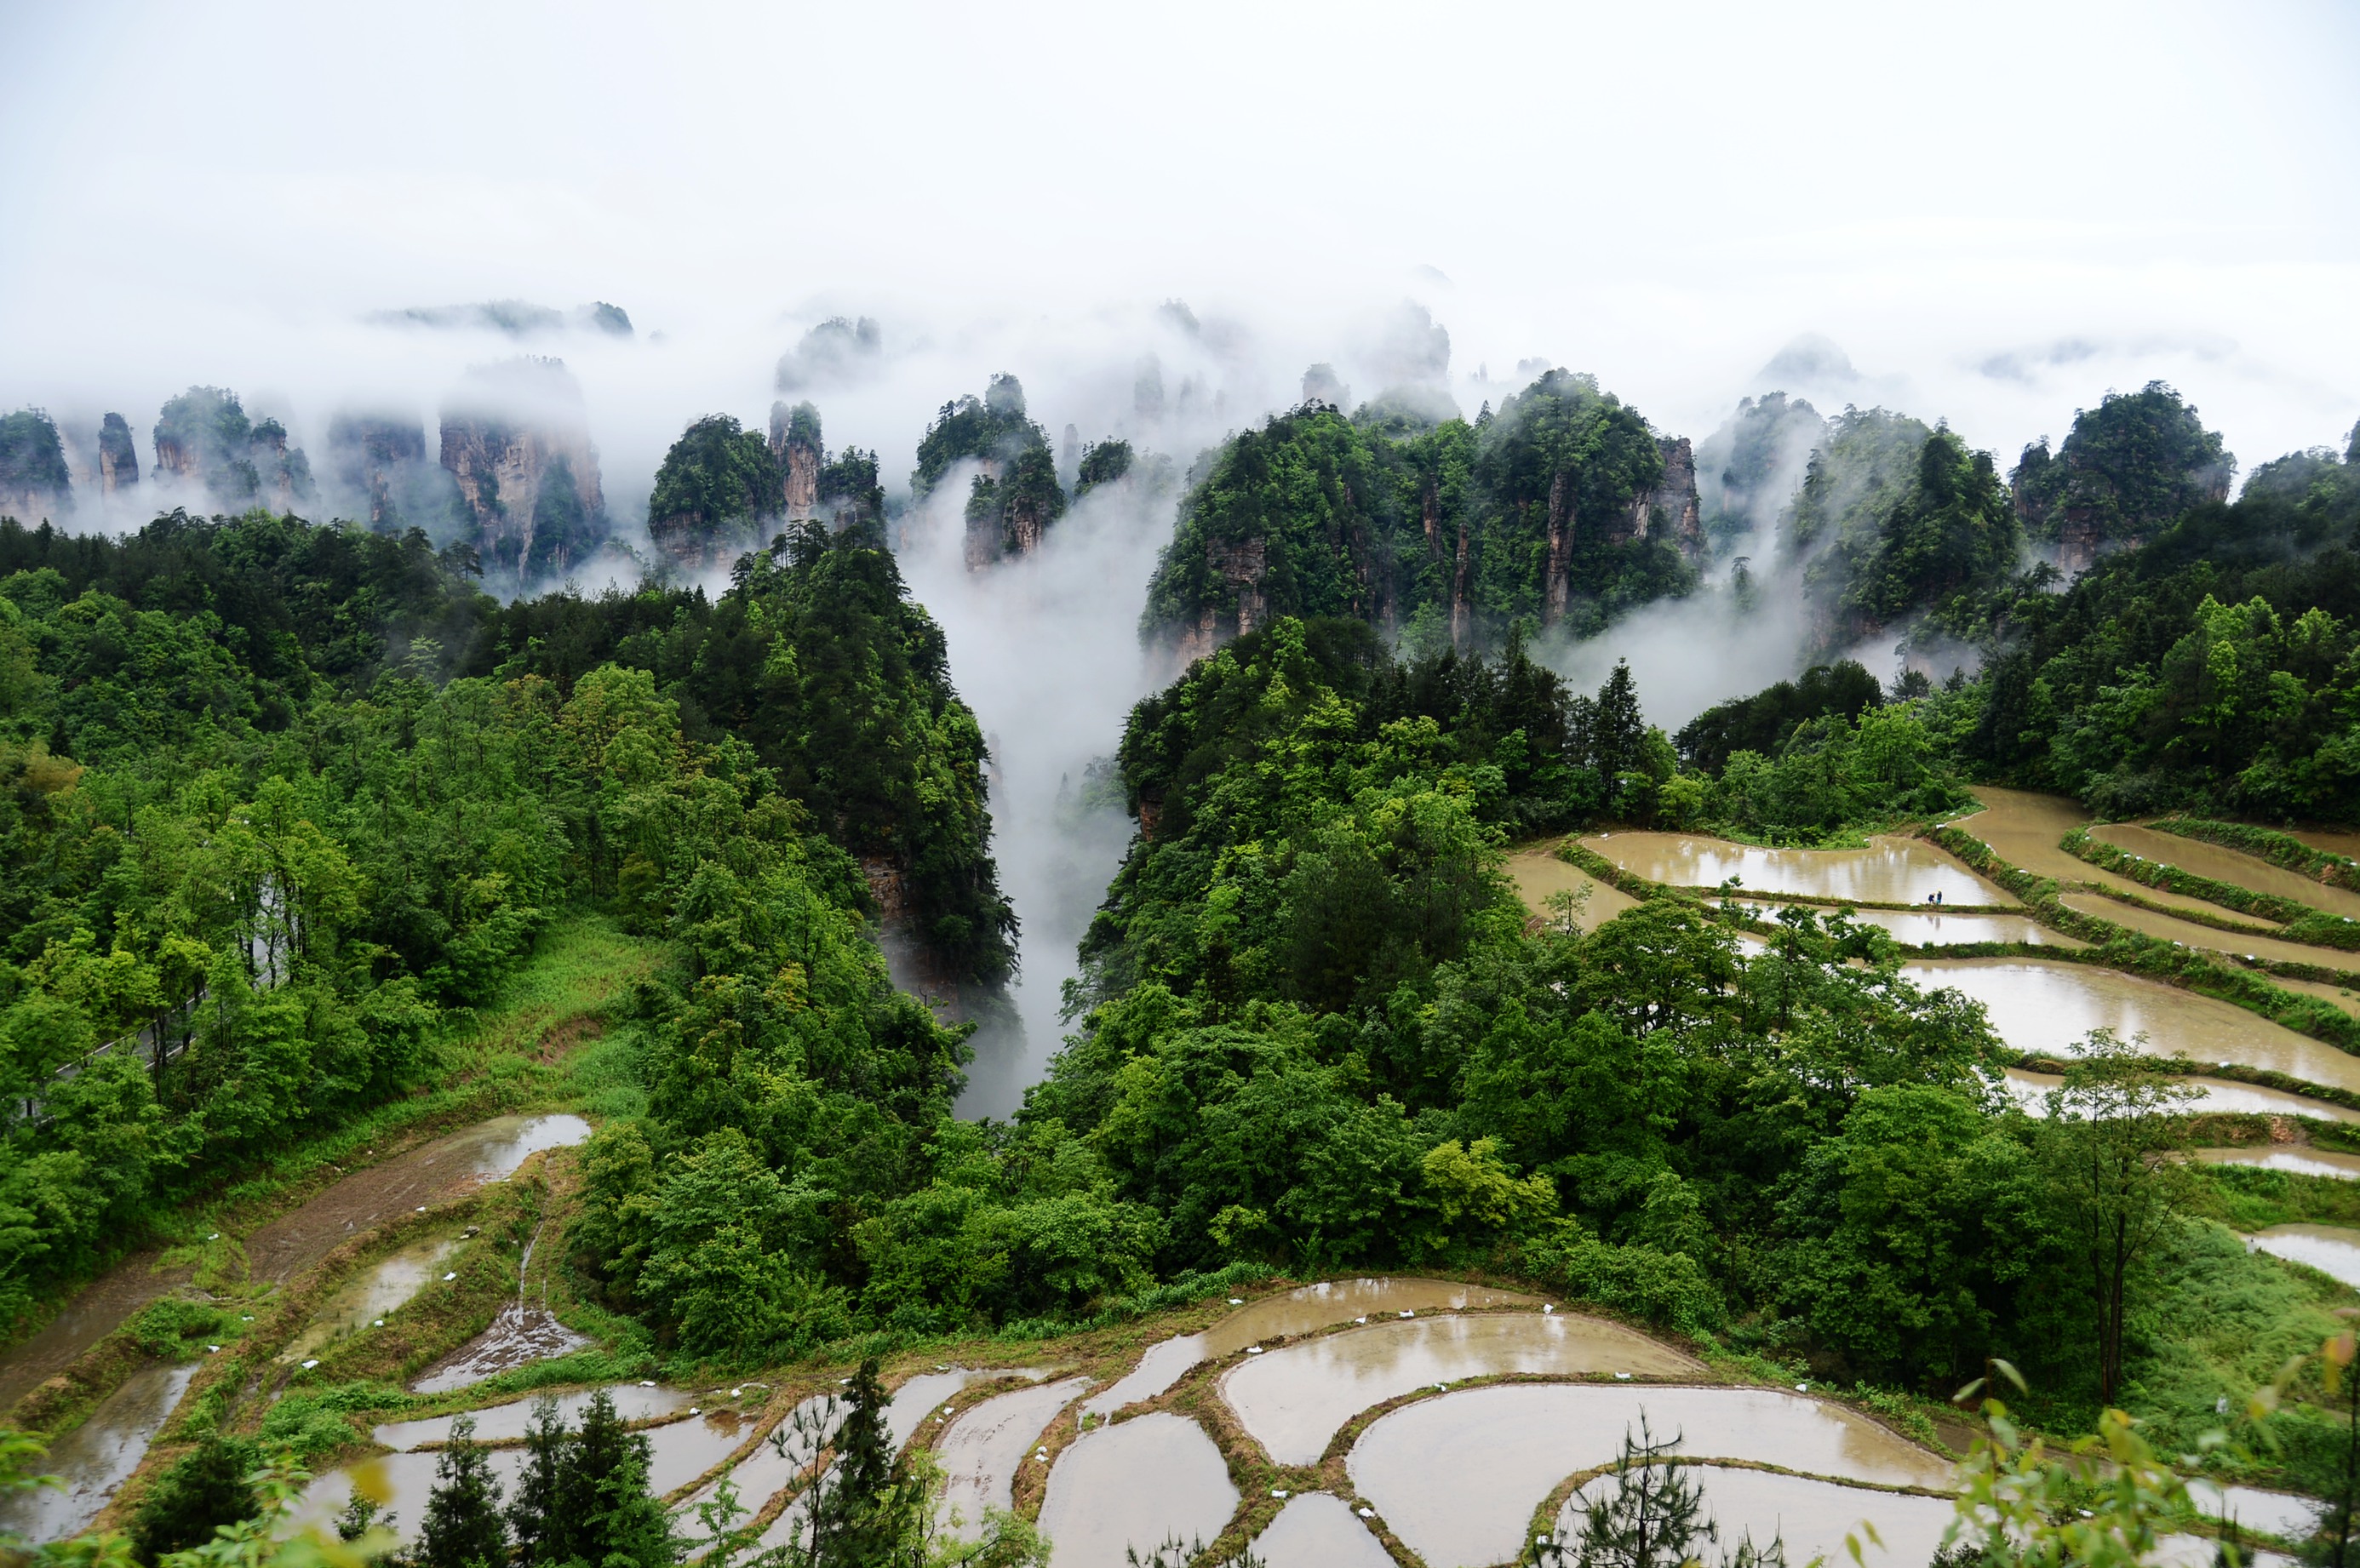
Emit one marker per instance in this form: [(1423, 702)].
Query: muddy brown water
[(1301, 1311), (2023, 829), (2333, 1250), (1133, 1486), (1813, 1519), (1295, 1400), (2209, 939), (96, 1457), (1940, 930), (982, 1451), (2029, 1090), (1458, 1477), (2304, 1162), (2233, 866), (2335, 841), (2050, 1009), (294, 1241), (1317, 1531), (1889, 871), (1537, 872)]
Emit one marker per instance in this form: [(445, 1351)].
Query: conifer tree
[(463, 1528)]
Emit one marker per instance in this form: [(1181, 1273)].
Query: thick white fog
[(1991, 216)]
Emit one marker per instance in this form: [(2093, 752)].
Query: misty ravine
[(1044, 647)]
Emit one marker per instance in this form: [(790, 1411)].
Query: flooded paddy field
[(95, 1457), (1455, 1474), (1814, 1518), (1133, 1486), (2300, 1161), (1456, 1477), (1931, 929), (1316, 1530), (1293, 1400), (1537, 872), (2023, 828), (2029, 1089), (1889, 871), (2231, 866), (2333, 1250), (2190, 933), (2050, 1009), (1304, 1311)]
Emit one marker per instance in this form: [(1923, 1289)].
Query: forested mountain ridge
[(1563, 508)]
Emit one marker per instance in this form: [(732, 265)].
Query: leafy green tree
[(2111, 1138), (1916, 1224)]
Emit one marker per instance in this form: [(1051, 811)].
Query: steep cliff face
[(33, 482), (1671, 508), (796, 447), (516, 444), (379, 471), (1563, 510), (117, 466), (204, 438)]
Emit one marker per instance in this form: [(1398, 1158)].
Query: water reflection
[(1293, 1400), (1456, 1477), (1301, 1311), (497, 1423), (2050, 1009), (983, 1449), (2030, 1090), (1316, 1530), (2333, 1250), (1889, 871), (380, 1289), (1812, 1517), (2303, 1161), (1134, 1485), (97, 1456)]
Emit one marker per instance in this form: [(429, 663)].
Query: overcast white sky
[(1998, 211)]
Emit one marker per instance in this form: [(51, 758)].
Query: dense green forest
[(261, 807), (1894, 520), (1554, 511)]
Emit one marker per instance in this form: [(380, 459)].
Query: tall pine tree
[(463, 1527)]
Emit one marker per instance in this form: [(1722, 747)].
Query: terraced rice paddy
[(2051, 1008), (1890, 871)]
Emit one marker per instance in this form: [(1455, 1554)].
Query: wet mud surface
[(1131, 1486), (97, 1456)]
